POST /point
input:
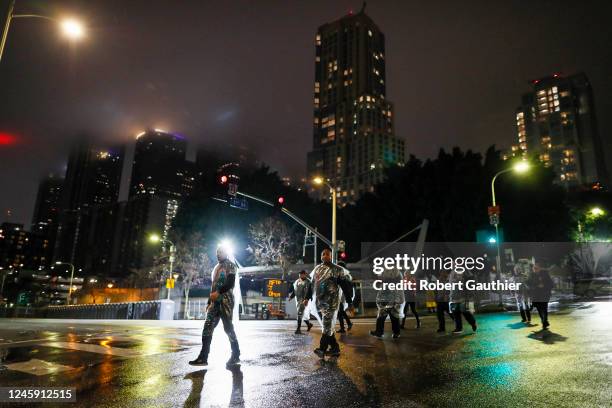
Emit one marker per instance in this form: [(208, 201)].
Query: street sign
[(341, 245), (240, 203), (170, 283), (494, 209), (272, 288), (494, 219), (232, 189)]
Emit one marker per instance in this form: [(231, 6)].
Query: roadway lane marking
[(94, 348), (38, 367)]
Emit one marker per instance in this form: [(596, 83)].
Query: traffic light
[(281, 200), (223, 179), (343, 256)]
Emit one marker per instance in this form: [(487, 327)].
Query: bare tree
[(144, 278), (192, 263), (273, 243)]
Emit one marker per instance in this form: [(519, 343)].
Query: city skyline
[(442, 98)]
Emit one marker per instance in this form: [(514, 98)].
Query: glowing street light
[(70, 27), (319, 181), (596, 212), (520, 167), (155, 238)]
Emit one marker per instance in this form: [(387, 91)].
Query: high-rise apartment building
[(353, 137), (556, 124)]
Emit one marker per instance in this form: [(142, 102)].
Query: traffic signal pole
[(290, 215)]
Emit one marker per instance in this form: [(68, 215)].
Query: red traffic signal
[(343, 255), (281, 200), (223, 179)]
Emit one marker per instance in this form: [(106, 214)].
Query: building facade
[(556, 124), (353, 132)]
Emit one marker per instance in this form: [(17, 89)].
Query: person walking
[(540, 286), (442, 303), (459, 303), (220, 307), (410, 296), (342, 315), (302, 292), (328, 280), (389, 303), (522, 270)]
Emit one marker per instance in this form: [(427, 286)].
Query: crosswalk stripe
[(38, 367)]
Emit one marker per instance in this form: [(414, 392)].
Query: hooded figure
[(302, 292), (389, 303), (220, 307), (329, 280)]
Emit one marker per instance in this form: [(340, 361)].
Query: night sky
[(242, 72)]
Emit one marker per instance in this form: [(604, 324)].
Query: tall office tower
[(46, 209), (159, 164), (556, 123), (353, 138), (93, 178)]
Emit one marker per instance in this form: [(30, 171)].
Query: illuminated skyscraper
[(353, 132), (556, 124)]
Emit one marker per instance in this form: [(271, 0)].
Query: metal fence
[(148, 310)]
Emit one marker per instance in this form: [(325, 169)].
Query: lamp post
[(519, 167), (68, 298), (70, 27), (320, 181), (156, 238)]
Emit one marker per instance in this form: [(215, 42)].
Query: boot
[(202, 359), (308, 325), (418, 326), (322, 346), (299, 326), (334, 350), (235, 358), (528, 315), (523, 315)]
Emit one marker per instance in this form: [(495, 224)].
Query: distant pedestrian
[(342, 315), (410, 296), (430, 301), (540, 286), (301, 290), (522, 270), (389, 303), (460, 304), (442, 303)]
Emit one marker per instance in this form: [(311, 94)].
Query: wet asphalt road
[(144, 363)]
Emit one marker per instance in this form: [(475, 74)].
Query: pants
[(382, 316), (219, 311), (300, 311), (441, 308), (342, 316), (412, 307), (328, 319), (543, 312), (468, 316)]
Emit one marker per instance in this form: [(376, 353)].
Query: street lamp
[(68, 298), (70, 27), (155, 238), (519, 167), (321, 181)]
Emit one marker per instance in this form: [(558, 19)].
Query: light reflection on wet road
[(144, 363)]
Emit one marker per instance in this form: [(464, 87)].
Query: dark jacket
[(540, 286)]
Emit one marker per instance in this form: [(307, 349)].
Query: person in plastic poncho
[(328, 280), (220, 307), (302, 292), (522, 270), (389, 303)]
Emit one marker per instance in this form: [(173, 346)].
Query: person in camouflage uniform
[(389, 303), (328, 279), (220, 307), (302, 292)]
